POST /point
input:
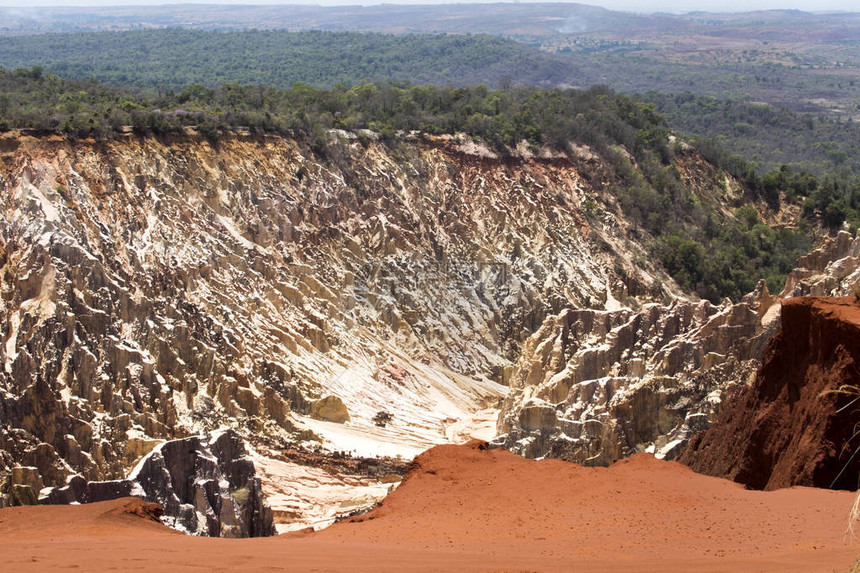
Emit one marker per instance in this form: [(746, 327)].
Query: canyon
[(370, 299), (365, 302)]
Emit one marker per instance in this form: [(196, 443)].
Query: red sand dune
[(464, 508)]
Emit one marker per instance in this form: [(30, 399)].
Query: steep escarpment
[(369, 296), (796, 425), (596, 386)]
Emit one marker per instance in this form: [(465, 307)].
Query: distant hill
[(510, 19), (530, 20), (175, 58)]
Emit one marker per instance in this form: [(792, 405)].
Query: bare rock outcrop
[(796, 425), (831, 270), (204, 485), (151, 289), (596, 386)]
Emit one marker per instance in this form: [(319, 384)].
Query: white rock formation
[(155, 288)]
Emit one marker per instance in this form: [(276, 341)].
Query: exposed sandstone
[(154, 289), (204, 486), (151, 289), (830, 270), (596, 386)]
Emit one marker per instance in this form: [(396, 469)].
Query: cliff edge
[(791, 427)]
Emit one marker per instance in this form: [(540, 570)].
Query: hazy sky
[(629, 5)]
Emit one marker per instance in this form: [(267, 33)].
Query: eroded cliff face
[(797, 424), (152, 289), (596, 386)]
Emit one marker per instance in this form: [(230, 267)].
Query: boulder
[(330, 408)]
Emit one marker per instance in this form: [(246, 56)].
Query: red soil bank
[(788, 428), (465, 508)]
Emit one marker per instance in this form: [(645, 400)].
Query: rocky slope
[(596, 386), (370, 297), (367, 298), (797, 424), (831, 270)]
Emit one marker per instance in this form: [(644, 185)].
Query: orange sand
[(463, 508)]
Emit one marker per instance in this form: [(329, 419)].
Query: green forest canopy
[(171, 59), (175, 57)]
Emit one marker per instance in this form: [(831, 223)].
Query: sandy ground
[(468, 509)]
